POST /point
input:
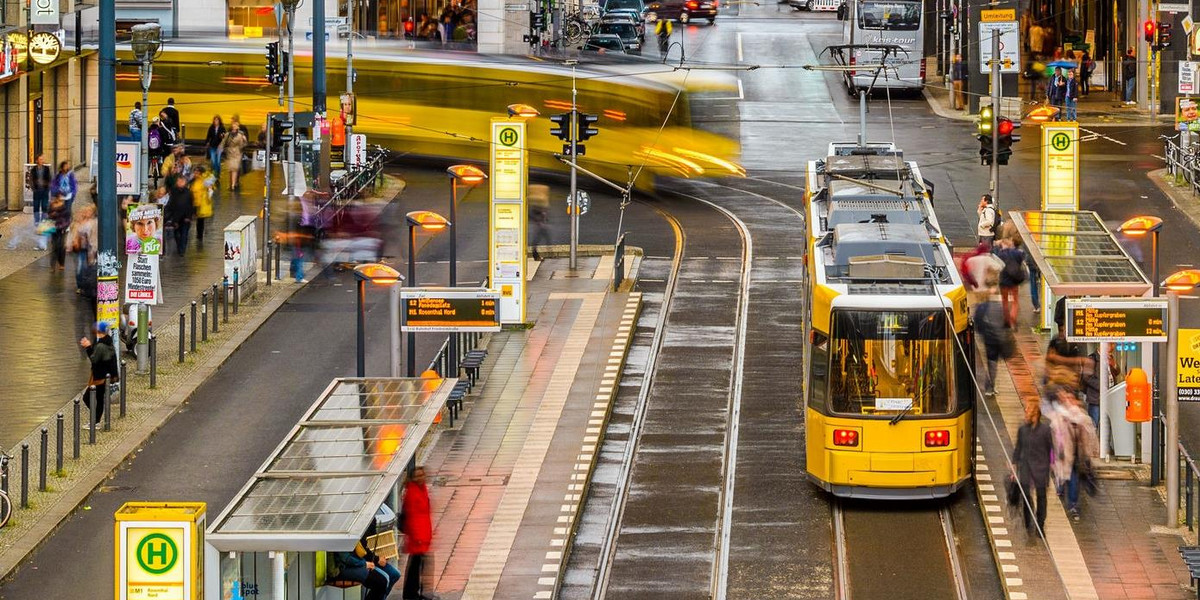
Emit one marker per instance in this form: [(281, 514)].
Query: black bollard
[(92, 420), (277, 253), (75, 427), (193, 344), (58, 443), (225, 299), (123, 388), (24, 474), (267, 261), (45, 455), (204, 316), (4, 477), (182, 337), (153, 361), (106, 403), (216, 327), (237, 286)]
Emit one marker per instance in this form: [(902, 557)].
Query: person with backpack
[(989, 220), (1011, 277)]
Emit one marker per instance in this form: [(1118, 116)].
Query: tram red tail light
[(937, 438), (845, 437)]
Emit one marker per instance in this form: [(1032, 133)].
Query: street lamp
[(428, 221), (146, 44), (1177, 283), (524, 111), (1137, 227), (378, 274), (472, 176)]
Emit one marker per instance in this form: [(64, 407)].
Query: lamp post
[(524, 111), (472, 176), (378, 274), (1176, 284), (290, 7), (428, 221), (1137, 227), (146, 44)]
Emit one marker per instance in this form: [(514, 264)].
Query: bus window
[(889, 16)]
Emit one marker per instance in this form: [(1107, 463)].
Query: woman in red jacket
[(418, 532)]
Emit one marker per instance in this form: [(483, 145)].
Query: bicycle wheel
[(5, 509)]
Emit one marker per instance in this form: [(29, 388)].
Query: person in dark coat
[(103, 356), (60, 213), (1129, 70), (180, 211), (173, 114), (1031, 455), (418, 533), (39, 182), (365, 567)]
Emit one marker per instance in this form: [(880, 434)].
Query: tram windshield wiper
[(900, 415)]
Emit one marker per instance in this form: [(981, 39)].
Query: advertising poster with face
[(143, 245)]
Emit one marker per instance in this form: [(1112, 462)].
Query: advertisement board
[(241, 252), (143, 246), (1112, 320)]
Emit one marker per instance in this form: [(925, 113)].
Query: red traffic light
[(408, 26), (1005, 127), (1148, 29)]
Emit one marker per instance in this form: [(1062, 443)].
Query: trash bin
[(1122, 433)]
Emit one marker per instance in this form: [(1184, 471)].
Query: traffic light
[(1006, 128), (586, 129), (273, 62), (281, 133), (561, 127), (284, 62), (1164, 35), (537, 20), (985, 120), (985, 149), (1148, 30)]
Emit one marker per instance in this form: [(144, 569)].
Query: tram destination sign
[(449, 309), (1110, 320)]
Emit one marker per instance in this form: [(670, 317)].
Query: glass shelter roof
[(1078, 255), (320, 488)]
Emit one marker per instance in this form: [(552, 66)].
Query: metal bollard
[(58, 443), (182, 337), (4, 477), (92, 421), (193, 344), (123, 388), (106, 403), (215, 326), (24, 474), (267, 261), (45, 459), (277, 271), (75, 426), (225, 299), (204, 316), (236, 289), (153, 361)]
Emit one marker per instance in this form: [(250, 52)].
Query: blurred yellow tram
[(888, 352)]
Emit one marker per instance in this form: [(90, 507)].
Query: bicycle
[(5, 502)]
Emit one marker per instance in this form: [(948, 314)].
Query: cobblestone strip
[(147, 410)]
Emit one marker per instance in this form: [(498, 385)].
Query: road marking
[(739, 46), (1093, 135)]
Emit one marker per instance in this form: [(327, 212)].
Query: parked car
[(604, 43), (624, 30), (683, 11)]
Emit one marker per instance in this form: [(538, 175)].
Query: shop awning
[(320, 488), (1078, 255)]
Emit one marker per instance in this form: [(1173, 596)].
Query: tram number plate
[(893, 403)]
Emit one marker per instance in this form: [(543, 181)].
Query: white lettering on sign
[(44, 12)]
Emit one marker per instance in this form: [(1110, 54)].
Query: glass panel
[(889, 16), (887, 363), (300, 505)]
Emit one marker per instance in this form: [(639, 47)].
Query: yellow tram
[(890, 397)]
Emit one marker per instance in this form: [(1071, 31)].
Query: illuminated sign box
[(449, 310), (1135, 320)]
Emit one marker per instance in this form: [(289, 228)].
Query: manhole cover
[(566, 275), (1123, 474), (473, 481)]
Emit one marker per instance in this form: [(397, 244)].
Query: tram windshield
[(891, 362)]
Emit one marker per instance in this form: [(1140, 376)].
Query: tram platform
[(1116, 549), (507, 479)]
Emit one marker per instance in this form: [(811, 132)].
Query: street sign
[(1010, 46), (1187, 379), (583, 201), (507, 218), (449, 310), (1060, 166), (1187, 23), (1187, 77), (996, 15), (158, 552), (1171, 7), (1109, 320)]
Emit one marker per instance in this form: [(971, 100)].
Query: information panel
[(1140, 320), (507, 218), (449, 309), (158, 551), (1060, 166), (1187, 372)]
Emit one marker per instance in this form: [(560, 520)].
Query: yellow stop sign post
[(157, 551)]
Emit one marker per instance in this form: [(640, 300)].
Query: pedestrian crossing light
[(273, 62), (561, 126), (1006, 128), (281, 132), (1164, 36), (1148, 30)]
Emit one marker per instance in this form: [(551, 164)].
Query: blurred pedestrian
[(1035, 285), (82, 244), (958, 75), (418, 533), (1056, 92), (1087, 66), (202, 189), (65, 185), (1074, 449), (1129, 69), (212, 142), (1031, 455), (231, 148), (989, 217), (539, 215), (180, 211), (980, 272), (60, 215), (173, 114), (39, 182), (103, 357), (177, 163), (1071, 96), (136, 121), (1012, 275)]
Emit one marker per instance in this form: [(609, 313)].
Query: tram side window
[(963, 362), (884, 363), (818, 379)]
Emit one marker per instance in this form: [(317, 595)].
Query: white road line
[(1092, 135)]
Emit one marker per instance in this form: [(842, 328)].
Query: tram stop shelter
[(1079, 257), (320, 488)]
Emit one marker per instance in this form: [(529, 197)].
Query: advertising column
[(507, 218)]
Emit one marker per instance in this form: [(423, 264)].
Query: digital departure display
[(449, 310), (1134, 320)]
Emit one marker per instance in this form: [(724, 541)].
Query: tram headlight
[(937, 438), (845, 437)]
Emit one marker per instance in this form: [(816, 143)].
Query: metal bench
[(1191, 557), (471, 364)]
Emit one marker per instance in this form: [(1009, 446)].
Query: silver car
[(625, 30)]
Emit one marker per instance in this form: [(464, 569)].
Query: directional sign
[(1060, 166), (1010, 46), (449, 309), (996, 15), (1135, 320), (1187, 380), (1172, 7), (157, 550)]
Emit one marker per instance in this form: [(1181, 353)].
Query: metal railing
[(1189, 474), (441, 361), (357, 179), (1183, 163)]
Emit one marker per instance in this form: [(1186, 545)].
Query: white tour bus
[(899, 22)]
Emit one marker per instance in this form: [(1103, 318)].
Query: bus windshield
[(891, 362), (889, 16)]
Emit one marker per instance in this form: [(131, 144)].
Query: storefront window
[(250, 18)]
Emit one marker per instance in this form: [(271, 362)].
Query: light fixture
[(427, 220), (377, 273), (468, 174), (1140, 225), (1182, 281), (524, 111)]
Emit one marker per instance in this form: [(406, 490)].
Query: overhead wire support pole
[(573, 202), (995, 167)]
